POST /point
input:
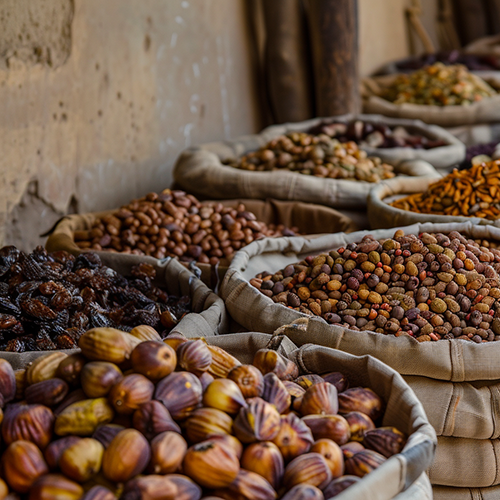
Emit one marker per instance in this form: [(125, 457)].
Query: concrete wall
[(97, 98)]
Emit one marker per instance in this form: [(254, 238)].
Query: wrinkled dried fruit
[(225, 395), (7, 381), (332, 453), (105, 433), (228, 440), (152, 487), (126, 456), (82, 460), (175, 339), (98, 493), (294, 437), (339, 485), (276, 393), (351, 448), (207, 422), (69, 368), (48, 392), (206, 379), (266, 460), (98, 377), (361, 399), (385, 440), (83, 417), (320, 399), (22, 464), (339, 380), (154, 360), (306, 381), (107, 344), (211, 464), (187, 489), (310, 468), (334, 427), (145, 332), (130, 393), (153, 418), (267, 360), (44, 368), (194, 356), (54, 450), (20, 383), (359, 423), (259, 421), (248, 485), (249, 379), (363, 463), (304, 492), (51, 486), (4, 490), (167, 452), (222, 362)]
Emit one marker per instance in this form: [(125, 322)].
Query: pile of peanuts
[(469, 193), (429, 287), (318, 155), (176, 224)]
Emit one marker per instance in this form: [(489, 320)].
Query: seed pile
[(469, 193), (181, 419), (439, 85), (176, 224), (430, 287), (318, 155), (375, 135), (47, 301)]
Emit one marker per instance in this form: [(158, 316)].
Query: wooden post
[(333, 27)]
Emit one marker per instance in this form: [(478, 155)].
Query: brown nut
[(294, 437), (55, 449), (107, 344), (194, 356), (106, 432), (267, 360), (155, 360), (151, 487), (310, 468), (82, 460), (7, 381), (359, 423), (44, 368), (222, 362), (249, 379), (48, 392), (130, 392), (204, 423), (363, 463), (167, 452), (259, 421), (98, 377), (304, 492), (98, 492), (225, 395), (145, 332), (52, 486), (275, 392), (83, 417), (69, 368), (334, 427), (333, 455), (339, 380), (266, 460), (361, 399), (339, 485), (385, 440), (320, 399), (248, 485), (153, 418)]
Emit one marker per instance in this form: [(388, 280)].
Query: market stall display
[(437, 332), (224, 416)]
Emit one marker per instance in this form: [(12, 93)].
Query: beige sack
[(485, 111), (308, 217), (382, 215), (200, 171), (471, 135), (447, 493), (209, 313), (487, 46)]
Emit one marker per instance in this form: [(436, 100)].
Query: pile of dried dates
[(375, 135), (429, 287), (176, 224), (133, 417), (47, 301), (319, 155)]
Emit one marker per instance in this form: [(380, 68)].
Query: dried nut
[(180, 392), (259, 421), (83, 417), (304, 492), (130, 393), (211, 464), (230, 442), (98, 493), (152, 487), (333, 455), (54, 450), (248, 485), (69, 368), (48, 392), (334, 427), (29, 422), (320, 399), (267, 360), (153, 359), (359, 423), (187, 489), (145, 332), (249, 380), (361, 399), (82, 460), (20, 383), (72, 397), (294, 437), (207, 422), (306, 381), (194, 356), (225, 395), (44, 368), (339, 380), (206, 379), (276, 393), (339, 485), (22, 464), (126, 456), (222, 362), (385, 440), (51, 486), (175, 339), (363, 463), (7, 381), (106, 432), (107, 344), (266, 460), (4, 490), (167, 452), (153, 418), (310, 468), (98, 377), (351, 448)]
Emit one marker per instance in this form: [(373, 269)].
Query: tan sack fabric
[(441, 158), (308, 217), (485, 111), (209, 312), (448, 493), (488, 45), (403, 410), (382, 215), (471, 135), (200, 171)]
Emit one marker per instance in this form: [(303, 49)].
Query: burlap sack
[(448, 493), (488, 46), (208, 311), (308, 217), (440, 158), (382, 215), (482, 133), (484, 111), (200, 171)]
